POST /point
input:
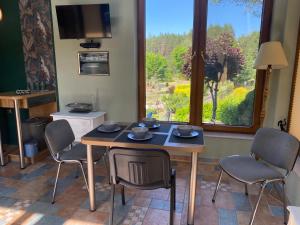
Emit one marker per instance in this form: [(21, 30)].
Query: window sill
[(229, 135)]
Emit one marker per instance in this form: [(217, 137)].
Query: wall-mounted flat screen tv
[(83, 21)]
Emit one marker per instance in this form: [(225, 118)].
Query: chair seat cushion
[(78, 152), (248, 170)]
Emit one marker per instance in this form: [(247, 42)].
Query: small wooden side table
[(39, 104)]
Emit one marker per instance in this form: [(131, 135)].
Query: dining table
[(162, 138)]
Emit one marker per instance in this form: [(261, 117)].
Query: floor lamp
[(270, 57)]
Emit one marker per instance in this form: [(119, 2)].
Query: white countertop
[(90, 115)]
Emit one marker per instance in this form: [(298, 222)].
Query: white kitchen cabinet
[(81, 123)]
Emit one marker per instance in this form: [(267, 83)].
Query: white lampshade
[(270, 54)]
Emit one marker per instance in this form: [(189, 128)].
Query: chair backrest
[(140, 168), (276, 147), (58, 136)]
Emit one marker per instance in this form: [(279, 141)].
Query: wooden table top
[(13, 95), (162, 139)]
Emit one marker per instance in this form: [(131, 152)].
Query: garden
[(229, 79)]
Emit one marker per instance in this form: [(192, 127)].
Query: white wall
[(117, 93), (285, 23), (286, 16)]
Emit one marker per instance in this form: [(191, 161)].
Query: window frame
[(197, 80), (294, 81)]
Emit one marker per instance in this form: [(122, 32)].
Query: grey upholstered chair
[(145, 169), (271, 148), (60, 141)]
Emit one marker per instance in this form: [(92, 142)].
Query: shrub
[(228, 107), (234, 109), (225, 88), (207, 111), (175, 101), (245, 109), (183, 89), (182, 114)]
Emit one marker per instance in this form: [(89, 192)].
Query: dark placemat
[(164, 127), (158, 139), (97, 134), (195, 140)]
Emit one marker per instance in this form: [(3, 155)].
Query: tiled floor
[(25, 199)]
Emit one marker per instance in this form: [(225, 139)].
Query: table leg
[(90, 167), (19, 131), (2, 163), (192, 193), (106, 163)]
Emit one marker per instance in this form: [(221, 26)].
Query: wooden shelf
[(12, 154)]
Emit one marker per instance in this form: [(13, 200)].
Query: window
[(195, 61)]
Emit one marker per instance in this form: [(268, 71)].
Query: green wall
[(12, 72)]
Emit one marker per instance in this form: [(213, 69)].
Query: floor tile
[(165, 205), (227, 217), (25, 198), (44, 208), (205, 215), (160, 217), (276, 210), (142, 202), (7, 191), (241, 201), (135, 216), (50, 219)]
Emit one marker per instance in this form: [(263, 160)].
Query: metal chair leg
[(2, 161), (218, 185), (257, 203), (246, 190), (112, 199), (172, 205), (173, 187), (123, 194), (284, 203), (55, 184), (84, 177)]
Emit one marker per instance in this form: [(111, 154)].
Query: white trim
[(229, 135), (68, 115)]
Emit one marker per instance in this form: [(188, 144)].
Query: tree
[(156, 67), (253, 2), (249, 46), (164, 44), (215, 31), (178, 57), (252, 6), (223, 58)]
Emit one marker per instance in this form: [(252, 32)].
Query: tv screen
[(83, 21)]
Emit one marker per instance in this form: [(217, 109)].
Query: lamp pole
[(265, 94)]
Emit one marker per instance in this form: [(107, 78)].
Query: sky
[(176, 16)]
